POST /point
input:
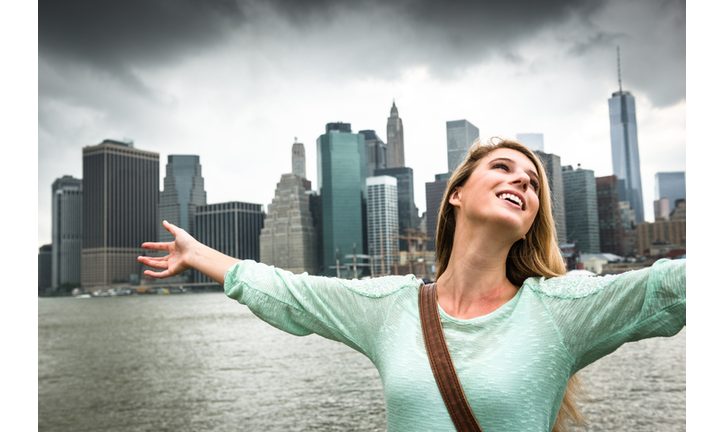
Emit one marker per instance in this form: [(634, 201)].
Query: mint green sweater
[(514, 363)]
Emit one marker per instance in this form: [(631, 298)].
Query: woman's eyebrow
[(530, 173)]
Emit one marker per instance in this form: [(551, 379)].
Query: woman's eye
[(534, 184), (502, 166)]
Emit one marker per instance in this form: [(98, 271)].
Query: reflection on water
[(202, 362)]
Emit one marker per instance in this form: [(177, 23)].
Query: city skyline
[(240, 93)]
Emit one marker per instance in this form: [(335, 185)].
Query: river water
[(202, 362)]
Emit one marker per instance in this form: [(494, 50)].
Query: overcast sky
[(236, 81)]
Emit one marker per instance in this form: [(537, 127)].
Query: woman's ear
[(455, 197)]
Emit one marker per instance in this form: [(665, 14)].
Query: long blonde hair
[(536, 255)]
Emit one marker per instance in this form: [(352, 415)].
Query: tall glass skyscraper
[(183, 190), (341, 174), (579, 187), (460, 136), (625, 150), (67, 230)]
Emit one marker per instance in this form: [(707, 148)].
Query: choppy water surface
[(202, 362)]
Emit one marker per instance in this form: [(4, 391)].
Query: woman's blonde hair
[(536, 255)]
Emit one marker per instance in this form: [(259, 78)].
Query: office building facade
[(460, 136), (299, 160), (376, 151), (625, 151), (434, 194), (395, 140), (341, 174), (671, 185), (407, 212), (382, 223), (610, 230), (183, 190), (67, 231), (579, 187), (552, 166), (289, 239), (45, 267), (232, 228), (120, 205)]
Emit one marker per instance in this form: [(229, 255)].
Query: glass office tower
[(579, 187), (67, 231), (625, 151), (341, 174), (671, 185), (460, 136), (183, 190)]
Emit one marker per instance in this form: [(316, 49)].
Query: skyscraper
[(552, 166), (625, 149), (460, 136), (376, 152), (183, 190), (382, 222), (610, 230), (120, 204), (232, 228), (671, 185), (341, 174), (533, 141), (395, 140), (67, 231), (299, 159), (45, 264), (407, 212), (434, 194), (289, 239), (581, 208)]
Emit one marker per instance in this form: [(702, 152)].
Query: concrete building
[(67, 231), (299, 160), (460, 136), (579, 186), (232, 228), (408, 213), (183, 190), (341, 174), (376, 152), (395, 140), (609, 216), (662, 209), (120, 205), (434, 193), (625, 150), (679, 212), (671, 185), (671, 233), (289, 238), (533, 141), (552, 166), (382, 223)]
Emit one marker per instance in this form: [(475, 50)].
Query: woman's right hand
[(179, 256)]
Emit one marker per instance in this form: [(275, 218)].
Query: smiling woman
[(516, 328)]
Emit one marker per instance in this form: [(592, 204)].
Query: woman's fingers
[(159, 263), (156, 246), (157, 275)]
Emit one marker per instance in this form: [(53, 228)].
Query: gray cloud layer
[(117, 38)]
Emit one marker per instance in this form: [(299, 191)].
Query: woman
[(517, 333)]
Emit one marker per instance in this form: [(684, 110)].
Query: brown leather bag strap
[(442, 365)]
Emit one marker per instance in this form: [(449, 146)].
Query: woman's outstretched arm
[(185, 253)]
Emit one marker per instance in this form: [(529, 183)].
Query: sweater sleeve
[(347, 311), (595, 316)]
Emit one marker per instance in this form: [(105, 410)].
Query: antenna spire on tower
[(618, 58)]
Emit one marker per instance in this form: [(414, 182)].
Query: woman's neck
[(474, 282)]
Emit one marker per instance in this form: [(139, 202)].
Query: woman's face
[(503, 189)]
